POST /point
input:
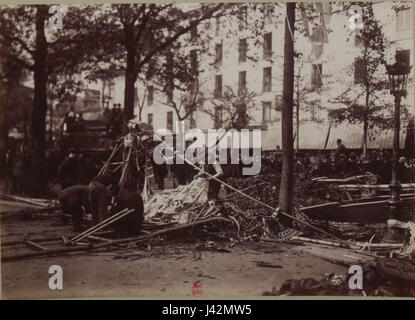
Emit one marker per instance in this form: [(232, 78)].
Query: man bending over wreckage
[(72, 199), (95, 198)]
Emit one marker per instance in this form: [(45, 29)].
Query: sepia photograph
[(219, 150)]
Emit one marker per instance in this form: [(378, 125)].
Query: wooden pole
[(23, 200), (22, 213), (102, 223), (44, 239), (106, 224), (105, 166), (127, 163), (287, 176)]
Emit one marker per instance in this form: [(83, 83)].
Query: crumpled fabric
[(168, 202)]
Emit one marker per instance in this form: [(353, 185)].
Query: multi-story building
[(247, 59)]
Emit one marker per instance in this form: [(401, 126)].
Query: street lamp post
[(398, 78)]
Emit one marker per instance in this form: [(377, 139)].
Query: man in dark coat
[(72, 200), (341, 149), (129, 225)]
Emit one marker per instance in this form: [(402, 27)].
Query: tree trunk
[(38, 127), (286, 187), (365, 129), (4, 132), (141, 106), (130, 77), (103, 94), (129, 93), (297, 117)]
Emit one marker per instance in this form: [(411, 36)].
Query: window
[(192, 120), (150, 119), (242, 18), (267, 80), (316, 75), (242, 82), (217, 25), (403, 56), (193, 33), (267, 45), (169, 92), (360, 71), (170, 120), (268, 12), (218, 55), (266, 112), (218, 86), (218, 116), (150, 95), (243, 49), (279, 102), (403, 19), (358, 39), (193, 60), (191, 116)]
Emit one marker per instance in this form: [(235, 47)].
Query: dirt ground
[(165, 269)]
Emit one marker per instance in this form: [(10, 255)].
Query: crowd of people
[(343, 163)]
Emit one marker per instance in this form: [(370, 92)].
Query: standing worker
[(341, 149), (214, 169), (68, 171)]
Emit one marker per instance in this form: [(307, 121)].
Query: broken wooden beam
[(370, 211), (26, 212), (23, 200), (45, 239), (145, 237), (36, 245), (341, 180), (102, 224), (356, 245), (101, 239), (385, 187)]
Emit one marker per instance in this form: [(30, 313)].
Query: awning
[(313, 136), (352, 137)]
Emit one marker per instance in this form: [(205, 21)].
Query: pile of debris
[(188, 204), (384, 277)]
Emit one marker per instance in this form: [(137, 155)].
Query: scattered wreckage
[(245, 211)]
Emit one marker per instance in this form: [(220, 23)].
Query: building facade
[(243, 56)]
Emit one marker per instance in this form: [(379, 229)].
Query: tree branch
[(21, 42), (169, 41)]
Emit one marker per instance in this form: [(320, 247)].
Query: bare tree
[(188, 103)]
